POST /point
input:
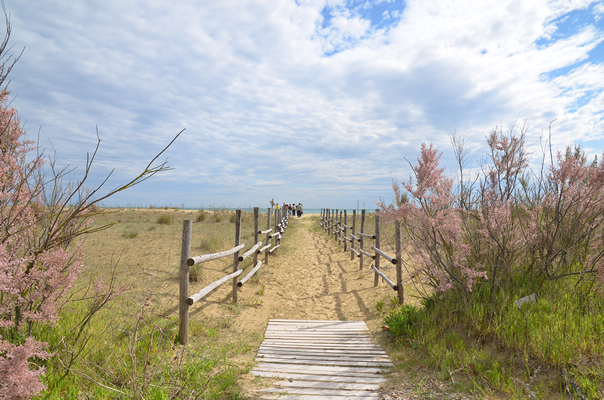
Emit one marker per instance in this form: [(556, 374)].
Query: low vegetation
[(130, 348), (477, 247)]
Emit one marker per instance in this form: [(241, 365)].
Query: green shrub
[(195, 273), (165, 219), (401, 321), (201, 216), (130, 234), (211, 244)]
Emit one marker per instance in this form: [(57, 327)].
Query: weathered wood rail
[(186, 261), (337, 227)]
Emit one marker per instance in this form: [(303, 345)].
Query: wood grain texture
[(321, 360)]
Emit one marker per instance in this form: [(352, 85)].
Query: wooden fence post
[(236, 255), (334, 223), (376, 278), (276, 222), (268, 237), (339, 229), (362, 238), (183, 307), (256, 234), (345, 231), (399, 264), (354, 232)]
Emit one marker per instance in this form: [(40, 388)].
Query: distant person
[(293, 209), (299, 209)]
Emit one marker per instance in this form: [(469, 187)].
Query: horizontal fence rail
[(211, 287), (332, 223), (215, 256), (385, 278), (186, 261)]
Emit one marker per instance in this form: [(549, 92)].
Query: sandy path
[(316, 279), (312, 278)]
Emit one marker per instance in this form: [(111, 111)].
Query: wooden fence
[(337, 226), (186, 261)]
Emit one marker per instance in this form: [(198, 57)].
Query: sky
[(322, 102)]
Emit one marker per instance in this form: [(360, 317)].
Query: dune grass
[(129, 348)]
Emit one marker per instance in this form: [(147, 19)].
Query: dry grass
[(142, 322), (146, 245)]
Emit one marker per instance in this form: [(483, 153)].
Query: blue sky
[(312, 101)]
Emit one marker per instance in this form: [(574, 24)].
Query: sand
[(313, 279)]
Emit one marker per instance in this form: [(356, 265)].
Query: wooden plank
[(319, 353), (309, 327), (350, 330), (323, 369), (322, 339), (281, 396), (321, 360), (273, 347), (328, 385), (322, 345), (334, 363), (288, 350), (330, 392), (309, 377), (319, 321), (317, 374), (360, 334), (278, 357)]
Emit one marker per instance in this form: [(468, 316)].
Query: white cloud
[(262, 103), (598, 11)]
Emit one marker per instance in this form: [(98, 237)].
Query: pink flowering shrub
[(506, 221), (564, 227), (36, 269), (39, 217), (19, 381)]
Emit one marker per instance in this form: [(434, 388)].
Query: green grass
[(487, 345), (211, 244), (165, 219), (138, 359), (129, 346), (131, 233)]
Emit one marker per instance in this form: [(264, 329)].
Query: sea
[(307, 211)]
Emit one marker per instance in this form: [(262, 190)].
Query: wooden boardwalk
[(321, 360)]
